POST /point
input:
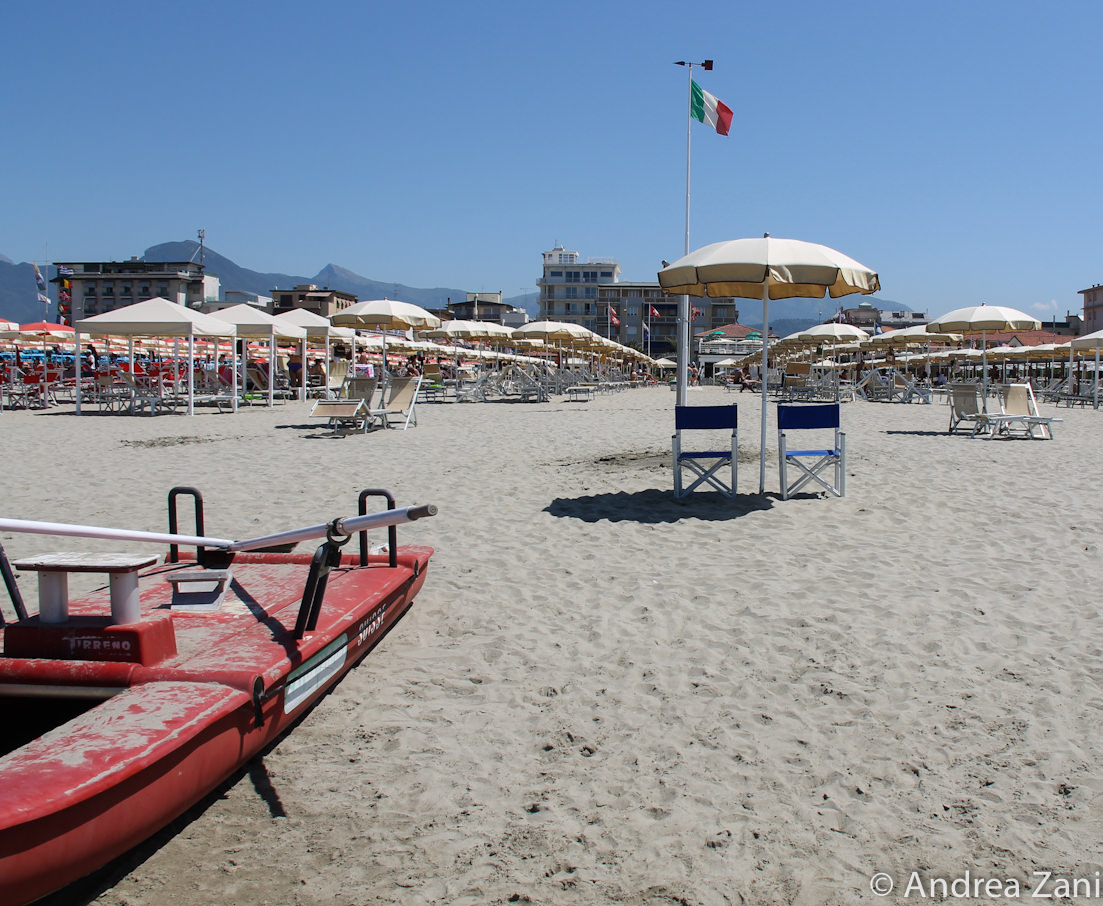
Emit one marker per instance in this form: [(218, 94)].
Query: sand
[(606, 696)]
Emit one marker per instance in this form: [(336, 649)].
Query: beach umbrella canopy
[(833, 333), (41, 330), (917, 335), (562, 331), (766, 268), (468, 330), (982, 319), (388, 314), (1090, 341)]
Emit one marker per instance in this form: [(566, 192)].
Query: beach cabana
[(254, 323), (317, 328), (156, 317)]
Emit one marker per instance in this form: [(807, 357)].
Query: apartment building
[(99, 286)]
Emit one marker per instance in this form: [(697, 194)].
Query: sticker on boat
[(313, 675)]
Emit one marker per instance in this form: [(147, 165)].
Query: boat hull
[(150, 740)]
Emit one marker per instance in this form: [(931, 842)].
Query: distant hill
[(790, 315), (18, 293)]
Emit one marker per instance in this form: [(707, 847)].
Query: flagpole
[(683, 301)]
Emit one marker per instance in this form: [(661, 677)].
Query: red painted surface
[(89, 790)]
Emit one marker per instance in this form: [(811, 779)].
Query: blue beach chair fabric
[(811, 464), (706, 465)]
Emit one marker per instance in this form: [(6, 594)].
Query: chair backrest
[(402, 392), (798, 368), (692, 418), (796, 418), (1015, 400), (965, 399), (361, 388)]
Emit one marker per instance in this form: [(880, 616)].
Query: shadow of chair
[(706, 465), (812, 463)]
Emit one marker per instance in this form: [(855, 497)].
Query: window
[(606, 274), (591, 292), (589, 276), (633, 311), (572, 292), (555, 273), (574, 277)]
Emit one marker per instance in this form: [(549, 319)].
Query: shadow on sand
[(657, 506)]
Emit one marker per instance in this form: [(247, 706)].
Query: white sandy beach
[(605, 696)]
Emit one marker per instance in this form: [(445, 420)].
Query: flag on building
[(613, 319), (697, 313), (654, 312), (42, 297), (65, 271), (646, 330), (709, 109)]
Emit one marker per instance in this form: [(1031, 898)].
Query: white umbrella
[(1089, 341), (386, 314), (765, 269), (982, 319)]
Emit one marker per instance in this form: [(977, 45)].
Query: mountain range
[(18, 293)]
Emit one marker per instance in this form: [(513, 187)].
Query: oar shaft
[(111, 534), (347, 526)]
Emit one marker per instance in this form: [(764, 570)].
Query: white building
[(99, 286), (569, 287)]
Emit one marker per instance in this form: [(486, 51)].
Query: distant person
[(89, 357)]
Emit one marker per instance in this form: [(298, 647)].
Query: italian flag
[(709, 109)]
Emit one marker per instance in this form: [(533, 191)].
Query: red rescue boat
[(123, 708)]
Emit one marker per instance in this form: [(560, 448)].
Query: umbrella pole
[(764, 384), (77, 365)]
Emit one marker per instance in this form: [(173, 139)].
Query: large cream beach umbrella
[(1090, 341), (983, 319), (156, 317), (386, 314), (765, 269)]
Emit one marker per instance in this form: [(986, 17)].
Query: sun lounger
[(343, 414), (966, 406), (1020, 415), (401, 405)]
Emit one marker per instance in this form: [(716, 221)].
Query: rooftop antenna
[(202, 236)]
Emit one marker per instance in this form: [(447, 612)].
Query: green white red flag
[(709, 109)]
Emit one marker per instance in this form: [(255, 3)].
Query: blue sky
[(952, 146)]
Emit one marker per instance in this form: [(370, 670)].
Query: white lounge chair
[(966, 406), (401, 403), (1020, 414)]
